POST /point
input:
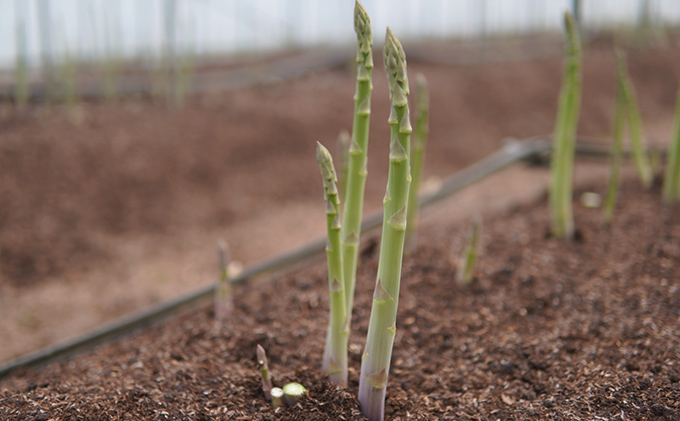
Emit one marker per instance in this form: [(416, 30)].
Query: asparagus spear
[(344, 141), (277, 397), (357, 171), (224, 300), (375, 363), (562, 159), (671, 185), (417, 157), (466, 271), (264, 372), (293, 392), (335, 356), (617, 150), (634, 124)]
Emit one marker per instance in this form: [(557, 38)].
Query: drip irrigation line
[(513, 151)]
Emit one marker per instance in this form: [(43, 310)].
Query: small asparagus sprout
[(671, 184), (375, 362), (277, 397), (264, 372), (335, 355), (419, 140), (564, 142), (344, 141), (468, 267), (224, 297), (616, 153), (355, 183), (293, 392), (640, 157)]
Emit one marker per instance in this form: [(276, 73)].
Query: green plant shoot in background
[(564, 142), (671, 184), (617, 149), (420, 132), (640, 156), (466, 271), (375, 362)]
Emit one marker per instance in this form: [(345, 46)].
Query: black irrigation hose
[(513, 151)]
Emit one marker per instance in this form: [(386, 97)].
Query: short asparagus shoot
[(468, 267), (564, 142), (419, 139), (264, 372), (671, 183), (640, 156), (224, 297), (375, 362), (335, 355), (277, 397), (616, 153)]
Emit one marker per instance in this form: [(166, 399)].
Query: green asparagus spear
[(466, 271), (264, 372), (617, 151), (357, 170), (375, 363), (417, 157), (224, 300), (335, 356), (671, 185), (562, 159)]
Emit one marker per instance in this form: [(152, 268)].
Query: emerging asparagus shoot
[(277, 397), (375, 363), (640, 157), (264, 372), (335, 355), (617, 150), (466, 271), (357, 170), (293, 392), (562, 158), (671, 184), (417, 157), (224, 297)]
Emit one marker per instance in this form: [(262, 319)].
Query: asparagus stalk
[(375, 363), (335, 355), (264, 372), (671, 185), (344, 141), (224, 299), (293, 392), (466, 271), (417, 157), (277, 397), (357, 170), (617, 151), (562, 159), (640, 157)]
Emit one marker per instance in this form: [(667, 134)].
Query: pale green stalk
[(640, 157), (277, 397), (335, 355), (421, 129), (564, 142), (466, 271), (293, 392), (224, 296), (264, 371), (616, 153), (355, 182), (671, 184), (375, 362)]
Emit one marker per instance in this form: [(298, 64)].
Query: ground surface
[(112, 207), (549, 330)]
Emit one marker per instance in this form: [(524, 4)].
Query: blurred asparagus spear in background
[(264, 372), (617, 149), (466, 270), (671, 186)]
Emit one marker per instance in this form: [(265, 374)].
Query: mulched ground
[(549, 330)]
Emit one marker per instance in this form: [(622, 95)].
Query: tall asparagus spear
[(640, 157), (356, 175), (417, 157), (564, 142), (671, 183), (375, 362), (335, 356), (617, 150)]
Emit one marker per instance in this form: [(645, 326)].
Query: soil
[(548, 330)]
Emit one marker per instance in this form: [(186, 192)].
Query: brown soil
[(127, 200), (549, 330)]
